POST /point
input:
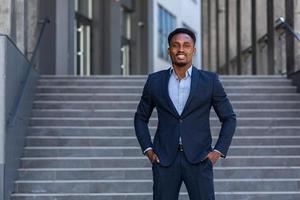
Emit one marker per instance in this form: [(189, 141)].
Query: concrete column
[(212, 41), (32, 25), (279, 41), (221, 36), (21, 24), (297, 29), (5, 16), (246, 34), (150, 36), (141, 24), (261, 27), (112, 38), (64, 37), (232, 36), (46, 57), (204, 24), (98, 38)]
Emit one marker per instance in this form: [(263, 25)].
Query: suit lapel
[(165, 88), (193, 89)]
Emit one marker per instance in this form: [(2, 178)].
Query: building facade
[(89, 37), (244, 37), (167, 16)]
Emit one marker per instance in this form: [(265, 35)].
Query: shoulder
[(207, 74), (158, 74)]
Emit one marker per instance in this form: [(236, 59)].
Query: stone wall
[(297, 28), (214, 54), (19, 20)]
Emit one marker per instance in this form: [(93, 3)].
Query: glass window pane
[(166, 25), (84, 7)]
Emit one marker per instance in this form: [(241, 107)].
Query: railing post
[(227, 48), (217, 37), (253, 36), (270, 28), (205, 35), (238, 34), (209, 33), (290, 46)]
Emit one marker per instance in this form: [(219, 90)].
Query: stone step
[(132, 141), (146, 173), (273, 195), (110, 77), (153, 122), (136, 97), (81, 142), (99, 151), (141, 161), (129, 113), (134, 77), (136, 82), (139, 186), (138, 89), (129, 131), (133, 105)]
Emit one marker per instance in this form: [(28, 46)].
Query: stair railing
[(13, 113), (281, 23), (247, 51), (43, 22)]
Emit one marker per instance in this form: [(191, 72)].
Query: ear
[(195, 50)]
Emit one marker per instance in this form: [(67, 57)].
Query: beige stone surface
[(5, 16), (297, 28), (262, 47)]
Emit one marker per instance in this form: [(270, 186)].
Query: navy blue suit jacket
[(192, 125)]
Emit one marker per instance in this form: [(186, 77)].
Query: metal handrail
[(281, 23), (248, 50), (13, 114), (44, 22)]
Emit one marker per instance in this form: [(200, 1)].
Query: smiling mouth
[(180, 56)]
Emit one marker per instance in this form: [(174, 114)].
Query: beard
[(180, 64)]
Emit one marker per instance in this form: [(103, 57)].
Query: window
[(125, 41), (166, 23), (84, 7), (83, 38)]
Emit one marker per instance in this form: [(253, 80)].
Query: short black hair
[(181, 30)]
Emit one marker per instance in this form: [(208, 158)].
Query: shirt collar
[(188, 72)]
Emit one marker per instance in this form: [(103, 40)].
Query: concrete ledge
[(295, 76), (18, 80), (1, 181)]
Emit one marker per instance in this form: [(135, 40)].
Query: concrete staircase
[(81, 143)]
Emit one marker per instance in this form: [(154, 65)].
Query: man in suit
[(183, 96)]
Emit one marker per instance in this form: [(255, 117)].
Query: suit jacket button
[(180, 120)]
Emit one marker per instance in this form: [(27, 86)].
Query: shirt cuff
[(149, 148), (222, 155)]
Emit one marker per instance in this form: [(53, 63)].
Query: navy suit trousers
[(198, 179)]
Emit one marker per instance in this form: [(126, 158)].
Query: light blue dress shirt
[(179, 90)]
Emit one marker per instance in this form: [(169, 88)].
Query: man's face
[(181, 50)]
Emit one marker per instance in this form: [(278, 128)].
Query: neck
[(181, 71)]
